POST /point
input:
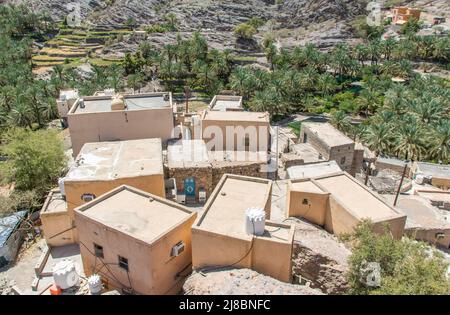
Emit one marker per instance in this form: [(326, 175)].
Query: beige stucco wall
[(429, 235), (442, 183), (267, 256), (119, 125), (152, 269), (396, 226), (54, 223), (314, 211), (153, 184), (338, 219), (263, 133), (263, 261)]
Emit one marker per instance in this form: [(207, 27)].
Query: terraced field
[(72, 45)]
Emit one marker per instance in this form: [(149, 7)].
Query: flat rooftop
[(307, 153), (187, 153), (55, 203), (226, 102), (419, 212), (327, 133), (136, 213), (100, 104), (313, 170), (225, 211), (359, 200), (435, 170), (392, 161), (236, 116), (306, 186), (117, 159)]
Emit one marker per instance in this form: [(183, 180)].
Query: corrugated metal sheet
[(9, 224)]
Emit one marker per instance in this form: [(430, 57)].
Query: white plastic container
[(95, 284), (65, 274), (255, 221)]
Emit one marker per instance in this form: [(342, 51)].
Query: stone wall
[(358, 158), (343, 155), (250, 169), (315, 141), (203, 177)]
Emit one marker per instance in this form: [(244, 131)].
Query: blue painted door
[(189, 187)]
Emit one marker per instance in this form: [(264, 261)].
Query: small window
[(87, 197), (343, 160), (98, 251), (305, 201), (123, 263)]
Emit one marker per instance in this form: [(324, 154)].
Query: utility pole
[(186, 96), (367, 173), (276, 172), (401, 183)]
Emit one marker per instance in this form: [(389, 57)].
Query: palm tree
[(271, 54), (298, 58), (409, 139), (427, 109), (268, 100), (387, 47), (440, 142), (239, 81), (361, 53), (21, 114), (326, 84), (396, 98), (378, 137), (340, 120)]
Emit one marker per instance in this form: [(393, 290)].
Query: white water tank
[(65, 274), (61, 186), (255, 220), (95, 284)]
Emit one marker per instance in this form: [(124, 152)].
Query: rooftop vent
[(81, 104), (118, 103), (255, 221), (166, 97)]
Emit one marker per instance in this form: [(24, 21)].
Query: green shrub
[(244, 31), (406, 266), (255, 22), (36, 158)]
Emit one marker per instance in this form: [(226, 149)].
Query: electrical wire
[(105, 265), (236, 262)]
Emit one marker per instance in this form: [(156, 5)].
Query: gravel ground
[(240, 282)]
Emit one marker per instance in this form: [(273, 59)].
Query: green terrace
[(71, 45)]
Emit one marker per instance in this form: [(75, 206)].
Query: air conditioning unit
[(202, 195), (181, 198), (178, 249)]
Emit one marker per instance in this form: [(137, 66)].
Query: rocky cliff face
[(206, 14)]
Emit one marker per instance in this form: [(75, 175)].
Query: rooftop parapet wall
[(226, 103), (349, 202), (142, 118), (219, 238)]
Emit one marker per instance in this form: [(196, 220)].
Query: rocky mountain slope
[(293, 21)]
